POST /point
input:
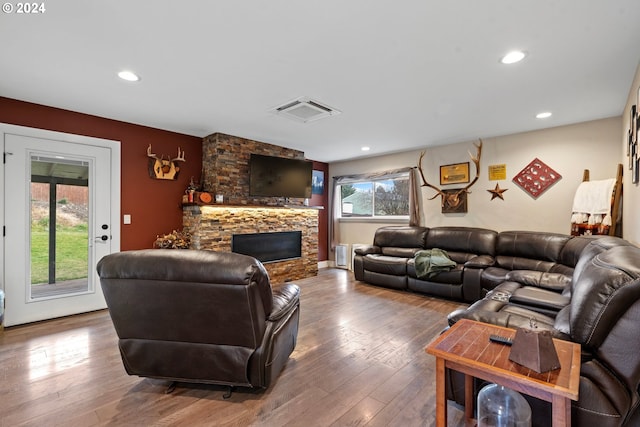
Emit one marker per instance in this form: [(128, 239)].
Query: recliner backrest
[(462, 243), (529, 250), (400, 240), (594, 247), (572, 251), (187, 296)]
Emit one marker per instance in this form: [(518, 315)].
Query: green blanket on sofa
[(430, 262)]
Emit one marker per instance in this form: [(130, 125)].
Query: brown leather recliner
[(199, 316)]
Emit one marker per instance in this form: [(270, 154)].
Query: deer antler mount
[(454, 201), (161, 168)]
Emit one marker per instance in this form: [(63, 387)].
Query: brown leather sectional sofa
[(483, 258), (582, 289)]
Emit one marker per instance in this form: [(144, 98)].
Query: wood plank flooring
[(360, 361)]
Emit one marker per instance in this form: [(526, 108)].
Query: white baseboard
[(325, 264)]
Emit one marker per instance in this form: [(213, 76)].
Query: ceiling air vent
[(305, 110)]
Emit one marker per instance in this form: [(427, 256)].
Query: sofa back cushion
[(595, 247), (529, 250), (462, 243), (403, 241), (572, 250)]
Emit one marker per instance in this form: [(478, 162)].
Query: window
[(384, 197)]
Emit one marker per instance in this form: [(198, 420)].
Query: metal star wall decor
[(497, 192)]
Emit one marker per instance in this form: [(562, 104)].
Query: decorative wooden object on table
[(466, 348)]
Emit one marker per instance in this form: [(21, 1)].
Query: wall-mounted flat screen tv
[(279, 177)]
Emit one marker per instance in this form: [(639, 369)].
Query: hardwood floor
[(359, 360)]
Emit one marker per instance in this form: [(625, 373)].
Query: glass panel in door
[(59, 227)]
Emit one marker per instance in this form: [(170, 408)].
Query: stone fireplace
[(212, 227), (225, 169)]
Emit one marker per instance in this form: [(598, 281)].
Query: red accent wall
[(154, 205)]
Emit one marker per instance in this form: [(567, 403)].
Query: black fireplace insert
[(269, 247)]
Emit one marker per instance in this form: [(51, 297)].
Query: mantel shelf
[(224, 205)]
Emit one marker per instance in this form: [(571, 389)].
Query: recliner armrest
[(285, 297), (366, 250), (552, 281), (480, 261)]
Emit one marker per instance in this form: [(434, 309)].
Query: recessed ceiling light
[(366, 148), (129, 76), (544, 115), (513, 57)]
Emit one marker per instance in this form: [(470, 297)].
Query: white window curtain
[(414, 205)]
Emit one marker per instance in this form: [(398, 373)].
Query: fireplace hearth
[(269, 247)]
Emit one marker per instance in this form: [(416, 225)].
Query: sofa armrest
[(480, 261), (492, 317), (503, 318), (366, 250), (552, 281), (471, 279), (285, 298)]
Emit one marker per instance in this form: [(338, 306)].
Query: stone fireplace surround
[(225, 169)]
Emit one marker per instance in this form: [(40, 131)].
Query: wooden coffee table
[(466, 348)]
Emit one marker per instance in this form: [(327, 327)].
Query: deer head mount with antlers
[(454, 201), (161, 168)]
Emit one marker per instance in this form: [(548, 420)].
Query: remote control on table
[(500, 339)]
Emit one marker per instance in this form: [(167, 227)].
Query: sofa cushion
[(386, 280), (572, 250), (552, 281), (385, 264), (529, 245), (400, 237), (453, 276), (467, 240)]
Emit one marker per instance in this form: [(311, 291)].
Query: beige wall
[(631, 192), (567, 149)]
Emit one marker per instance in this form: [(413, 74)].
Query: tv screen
[(279, 177)]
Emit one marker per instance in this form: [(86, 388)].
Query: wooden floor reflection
[(360, 360), (65, 287)]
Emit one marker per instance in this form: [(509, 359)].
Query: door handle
[(102, 239)]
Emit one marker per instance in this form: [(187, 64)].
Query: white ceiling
[(405, 74)]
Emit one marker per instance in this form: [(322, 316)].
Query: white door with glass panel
[(61, 215)]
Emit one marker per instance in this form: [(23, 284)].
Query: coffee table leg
[(441, 400), (561, 411)]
